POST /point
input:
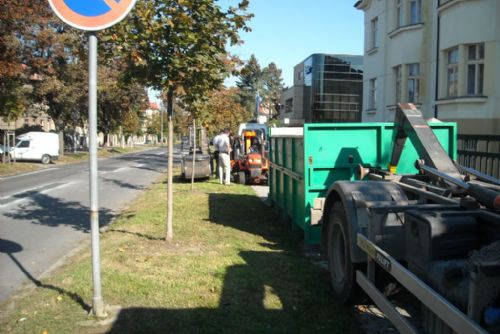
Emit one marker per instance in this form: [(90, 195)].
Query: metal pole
[(257, 104), (97, 302)]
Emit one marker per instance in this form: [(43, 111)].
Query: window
[(399, 13), (289, 105), (475, 69), (397, 76), (452, 72), (415, 11), (374, 33), (23, 144), (373, 93), (414, 83)]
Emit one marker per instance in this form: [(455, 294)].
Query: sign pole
[(97, 302), (257, 105), (85, 15)]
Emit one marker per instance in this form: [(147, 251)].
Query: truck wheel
[(45, 159), (342, 270)]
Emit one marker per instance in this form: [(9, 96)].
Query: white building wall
[(471, 22), (374, 63), (462, 22)]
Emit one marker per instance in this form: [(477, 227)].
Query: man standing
[(215, 143), (224, 148)]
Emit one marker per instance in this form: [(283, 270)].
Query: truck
[(35, 146), (380, 205)]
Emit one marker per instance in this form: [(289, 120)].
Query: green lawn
[(232, 268)]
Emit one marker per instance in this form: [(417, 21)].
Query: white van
[(39, 146)]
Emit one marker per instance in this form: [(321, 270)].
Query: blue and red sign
[(91, 14)]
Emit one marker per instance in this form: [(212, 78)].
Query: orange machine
[(250, 165)]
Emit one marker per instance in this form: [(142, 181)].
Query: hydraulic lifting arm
[(410, 123), (433, 159)]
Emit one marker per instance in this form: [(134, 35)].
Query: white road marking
[(113, 171), (26, 191)]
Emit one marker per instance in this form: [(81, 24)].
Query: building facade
[(35, 117), (326, 88), (443, 55)]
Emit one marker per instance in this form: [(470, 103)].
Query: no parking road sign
[(91, 14)]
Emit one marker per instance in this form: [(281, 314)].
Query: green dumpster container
[(306, 161)]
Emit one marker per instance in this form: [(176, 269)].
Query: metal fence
[(480, 152)]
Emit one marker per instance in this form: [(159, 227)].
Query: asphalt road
[(45, 214)]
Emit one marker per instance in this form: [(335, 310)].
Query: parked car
[(36, 146), (202, 168)]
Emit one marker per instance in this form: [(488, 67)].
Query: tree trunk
[(170, 193), (194, 154), (61, 143), (105, 140), (161, 127)]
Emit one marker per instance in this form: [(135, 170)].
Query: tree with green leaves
[(250, 82), (118, 100), (15, 89), (267, 82), (222, 109), (131, 123), (179, 46), (40, 62), (273, 88)]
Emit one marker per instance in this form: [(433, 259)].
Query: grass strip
[(231, 268)]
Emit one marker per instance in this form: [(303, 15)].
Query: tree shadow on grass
[(43, 209), (247, 213), (137, 234), (272, 291), (9, 247), (266, 294)]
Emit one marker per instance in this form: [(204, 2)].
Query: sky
[(286, 32)]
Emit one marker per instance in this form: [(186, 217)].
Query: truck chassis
[(436, 233)]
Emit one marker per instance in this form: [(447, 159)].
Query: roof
[(153, 105)]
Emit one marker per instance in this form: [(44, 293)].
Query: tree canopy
[(221, 110), (266, 81), (180, 45)]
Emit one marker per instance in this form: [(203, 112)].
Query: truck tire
[(342, 270), (45, 159)]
